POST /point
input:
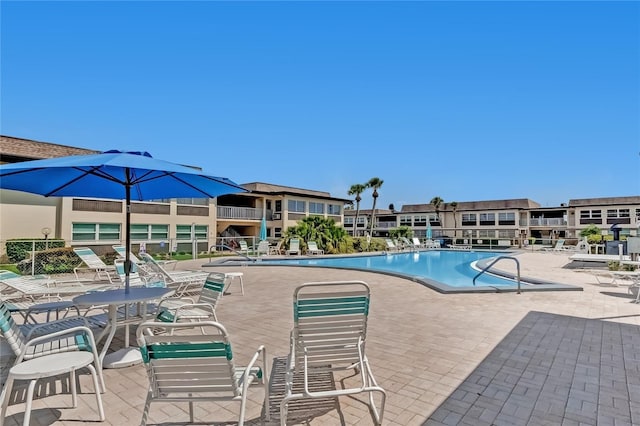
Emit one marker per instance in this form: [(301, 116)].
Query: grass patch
[(10, 267)]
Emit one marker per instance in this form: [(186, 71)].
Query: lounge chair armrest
[(247, 370), (35, 329), (85, 330)]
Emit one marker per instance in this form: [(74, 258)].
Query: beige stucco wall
[(26, 221)]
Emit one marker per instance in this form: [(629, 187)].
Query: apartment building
[(161, 225), (514, 220)]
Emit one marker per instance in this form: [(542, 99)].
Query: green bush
[(18, 250)]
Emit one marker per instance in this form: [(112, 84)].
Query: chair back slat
[(189, 360), (10, 330), (330, 321)]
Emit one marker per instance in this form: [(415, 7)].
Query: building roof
[(271, 189), (517, 203), (605, 201), (13, 150)]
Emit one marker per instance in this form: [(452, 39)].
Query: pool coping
[(528, 283)]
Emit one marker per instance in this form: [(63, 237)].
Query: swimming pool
[(443, 270)]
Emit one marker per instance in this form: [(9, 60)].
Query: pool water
[(451, 268)]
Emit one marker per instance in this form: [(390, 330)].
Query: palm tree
[(357, 189), (437, 202), (375, 184), (454, 207)]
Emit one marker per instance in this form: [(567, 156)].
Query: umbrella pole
[(127, 256)]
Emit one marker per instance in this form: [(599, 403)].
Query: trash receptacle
[(612, 247)]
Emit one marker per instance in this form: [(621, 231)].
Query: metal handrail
[(486, 268), (230, 249)]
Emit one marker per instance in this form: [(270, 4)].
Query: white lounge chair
[(15, 287), (294, 246), (93, 264), (559, 246), (417, 243), (277, 249), (122, 253), (183, 282), (390, 244), (329, 334), (185, 365), (585, 257), (312, 248), (616, 278), (263, 248)]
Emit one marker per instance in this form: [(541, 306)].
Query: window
[(420, 220), (183, 232), (334, 209), (506, 218), (348, 221), (507, 233), (468, 219), (405, 220), (149, 232), (591, 214), (277, 232), (95, 232), (315, 208), (278, 206), (637, 215), (487, 218), (486, 233), (296, 206), (193, 201), (618, 213)]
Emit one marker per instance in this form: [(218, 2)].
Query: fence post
[(33, 257)]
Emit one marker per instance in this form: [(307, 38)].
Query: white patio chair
[(329, 334), (174, 309), (185, 365)]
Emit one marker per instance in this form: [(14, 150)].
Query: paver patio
[(536, 358)]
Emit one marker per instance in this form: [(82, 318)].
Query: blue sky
[(462, 100)]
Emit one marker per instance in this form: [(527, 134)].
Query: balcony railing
[(547, 222), (241, 213)]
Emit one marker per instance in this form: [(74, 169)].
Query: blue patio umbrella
[(263, 229), (114, 175), (428, 230)]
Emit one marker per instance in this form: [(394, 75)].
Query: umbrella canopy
[(263, 229), (428, 231), (113, 175)]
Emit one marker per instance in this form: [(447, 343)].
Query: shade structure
[(115, 175), (428, 231), (263, 229)]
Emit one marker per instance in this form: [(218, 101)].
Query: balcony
[(241, 213)]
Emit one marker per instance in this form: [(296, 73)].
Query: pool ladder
[(486, 268)]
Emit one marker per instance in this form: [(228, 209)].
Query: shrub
[(18, 250), (52, 261)]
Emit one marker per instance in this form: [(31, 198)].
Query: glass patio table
[(141, 296)]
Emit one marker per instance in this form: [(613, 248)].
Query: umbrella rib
[(91, 171), (172, 174)]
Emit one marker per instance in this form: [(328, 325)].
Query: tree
[(323, 231), (357, 189), (454, 208), (437, 202), (375, 184), (592, 233)]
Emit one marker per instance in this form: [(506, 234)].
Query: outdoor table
[(126, 356)]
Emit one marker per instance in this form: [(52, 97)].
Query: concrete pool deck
[(568, 357)]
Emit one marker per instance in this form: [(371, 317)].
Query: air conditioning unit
[(277, 216)]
